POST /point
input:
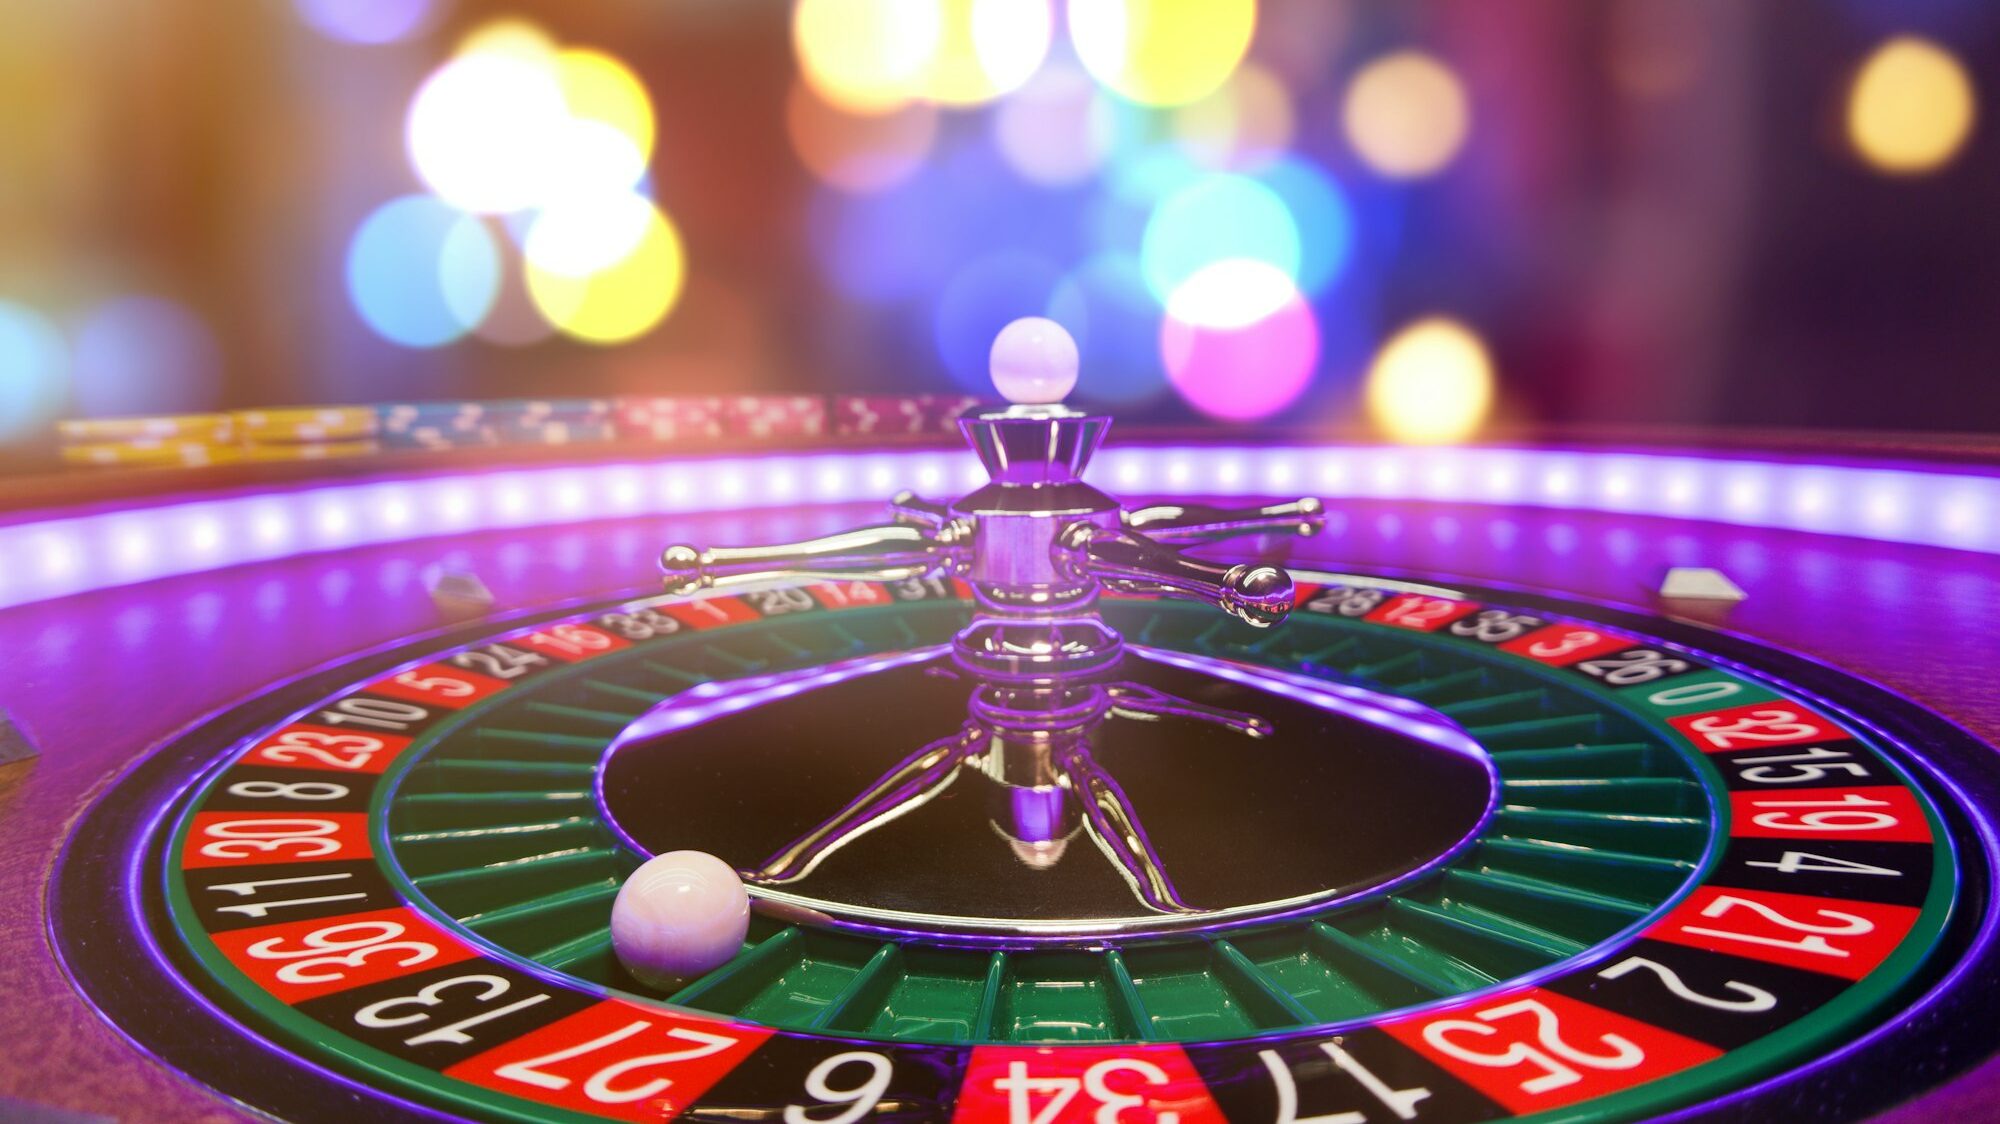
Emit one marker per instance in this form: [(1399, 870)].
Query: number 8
[(860, 1100)]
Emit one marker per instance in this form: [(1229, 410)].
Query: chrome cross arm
[(1125, 560), (890, 552), (916, 511), (1191, 522)]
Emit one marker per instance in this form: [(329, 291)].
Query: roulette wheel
[(1047, 806)]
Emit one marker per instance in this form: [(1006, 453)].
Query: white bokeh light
[(482, 130)]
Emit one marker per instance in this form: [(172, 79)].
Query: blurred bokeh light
[(1431, 383), (986, 48), (867, 56), (144, 354), (1911, 107), (982, 298), (1213, 219), (1239, 340), (36, 366), (1162, 52), (369, 21), (1115, 319), (1656, 211), (1245, 124), (855, 151), (618, 301), (1406, 114), (483, 129), (1058, 129), (422, 273)]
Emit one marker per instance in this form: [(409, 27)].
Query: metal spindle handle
[(1125, 560), (889, 552), (1175, 522), (916, 511)]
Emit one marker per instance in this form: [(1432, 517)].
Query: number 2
[(1754, 998)]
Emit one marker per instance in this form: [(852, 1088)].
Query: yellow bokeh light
[(867, 56), (986, 48), (597, 87), (517, 38), (1432, 383), (621, 301), (1406, 115), (1162, 52), (1244, 125), (1911, 107)]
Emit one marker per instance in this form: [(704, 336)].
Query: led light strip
[(59, 556)]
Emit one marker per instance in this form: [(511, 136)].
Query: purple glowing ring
[(48, 554)]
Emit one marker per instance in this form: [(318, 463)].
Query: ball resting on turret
[(1034, 362)]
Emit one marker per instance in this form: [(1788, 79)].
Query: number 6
[(860, 1100)]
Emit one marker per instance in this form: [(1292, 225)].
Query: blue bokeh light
[(34, 367), (368, 21), (1323, 217), (422, 273), (1217, 218), (981, 299), (910, 240), (1136, 184), (145, 355), (1116, 321)]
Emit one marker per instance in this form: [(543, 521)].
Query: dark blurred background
[(1422, 220)]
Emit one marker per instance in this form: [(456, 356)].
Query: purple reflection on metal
[(1038, 814), (706, 701), (1038, 811), (1405, 716), (60, 552)]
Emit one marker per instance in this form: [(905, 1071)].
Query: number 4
[(1793, 862)]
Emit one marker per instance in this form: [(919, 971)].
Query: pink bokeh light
[(1242, 372)]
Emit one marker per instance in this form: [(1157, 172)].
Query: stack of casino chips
[(557, 421), (307, 433), (885, 414), (761, 417), (191, 440), (433, 425), (460, 425), (669, 420), (942, 411)]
